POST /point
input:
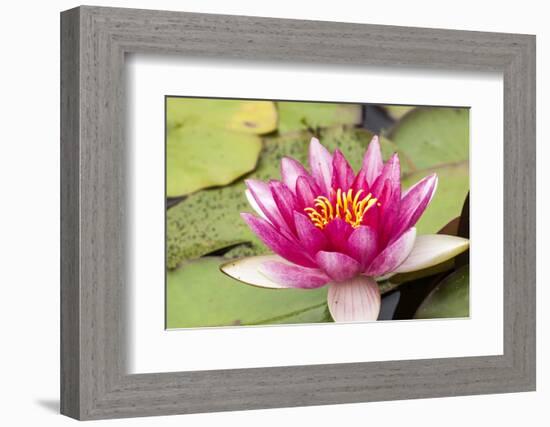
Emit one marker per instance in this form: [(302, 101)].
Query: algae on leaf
[(209, 220), (312, 115)]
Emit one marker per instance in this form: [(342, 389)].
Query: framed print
[(210, 174), (345, 212)]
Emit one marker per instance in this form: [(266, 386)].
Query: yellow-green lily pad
[(256, 117), (201, 157)]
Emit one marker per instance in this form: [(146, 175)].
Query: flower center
[(347, 206)]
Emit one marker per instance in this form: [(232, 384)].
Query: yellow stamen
[(347, 206)]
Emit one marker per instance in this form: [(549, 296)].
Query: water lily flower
[(331, 227)]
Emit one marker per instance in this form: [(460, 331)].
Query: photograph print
[(300, 212)]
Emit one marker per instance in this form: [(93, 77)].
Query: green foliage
[(209, 220), (312, 115), (212, 142), (450, 298), (433, 136), (436, 140), (255, 117), (397, 112), (199, 294), (198, 157), (452, 189), (213, 145)]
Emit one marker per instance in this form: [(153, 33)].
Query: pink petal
[(355, 300), (372, 162), (338, 266), (320, 162), (262, 195), (372, 217), (290, 171), (293, 275), (337, 232), (389, 205), (393, 255), (253, 204), (414, 203), (391, 171), (342, 173), (277, 242), (363, 245), (305, 193), (247, 270), (360, 182), (312, 238), (285, 201)]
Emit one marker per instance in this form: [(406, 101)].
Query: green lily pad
[(202, 157), (436, 139), (312, 115), (255, 117), (200, 295), (397, 112), (450, 298), (447, 202), (434, 136), (209, 220)]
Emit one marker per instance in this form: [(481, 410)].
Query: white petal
[(247, 270), (254, 204), (432, 249), (355, 300)]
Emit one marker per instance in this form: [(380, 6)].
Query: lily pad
[(312, 115), (201, 157), (255, 117), (436, 139), (397, 112), (199, 295), (434, 136), (450, 298), (209, 220), (447, 202)]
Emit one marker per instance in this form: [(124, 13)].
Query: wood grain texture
[(70, 314), (94, 381)]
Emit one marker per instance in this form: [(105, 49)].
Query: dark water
[(402, 303), (375, 119)]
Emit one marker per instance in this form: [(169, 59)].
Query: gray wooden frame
[(94, 382)]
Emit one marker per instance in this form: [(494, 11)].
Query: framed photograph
[(262, 213)]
